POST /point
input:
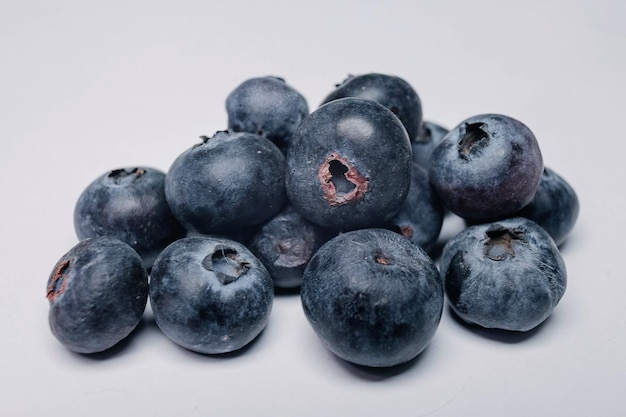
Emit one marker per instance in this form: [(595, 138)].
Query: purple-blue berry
[(486, 168)]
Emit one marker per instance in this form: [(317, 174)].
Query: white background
[(87, 86)]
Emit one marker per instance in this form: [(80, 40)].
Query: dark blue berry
[(420, 217), (284, 244), (210, 295), (349, 165), (429, 137), (391, 91), (373, 297), (226, 182), (266, 106), (506, 275), (128, 204), (555, 206), (98, 292)]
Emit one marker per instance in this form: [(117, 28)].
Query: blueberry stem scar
[(500, 243), (59, 280), (333, 174), (225, 264), (118, 174), (474, 135), (407, 231)]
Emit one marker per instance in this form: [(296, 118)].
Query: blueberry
[(506, 275), (373, 297), (429, 137), (98, 292), (226, 182), (128, 204), (391, 91), (555, 206), (266, 106), (420, 217), (349, 165), (284, 244), (486, 168), (210, 295)]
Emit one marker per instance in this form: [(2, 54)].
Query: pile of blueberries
[(343, 205)]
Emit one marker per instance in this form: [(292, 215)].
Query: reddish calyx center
[(58, 281), (341, 182)]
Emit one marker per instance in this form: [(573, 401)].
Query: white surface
[(88, 86)]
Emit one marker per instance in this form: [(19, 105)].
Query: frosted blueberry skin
[(226, 182), (97, 293), (555, 206), (285, 244), (391, 91), (420, 217), (266, 106), (210, 295), (505, 275), (373, 297), (486, 168), (349, 165), (429, 137), (128, 204)]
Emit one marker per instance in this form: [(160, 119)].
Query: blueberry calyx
[(341, 182), (407, 231), (224, 263), (500, 243), (58, 282), (118, 175), (348, 78), (205, 139), (292, 252), (384, 259), (473, 139)]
